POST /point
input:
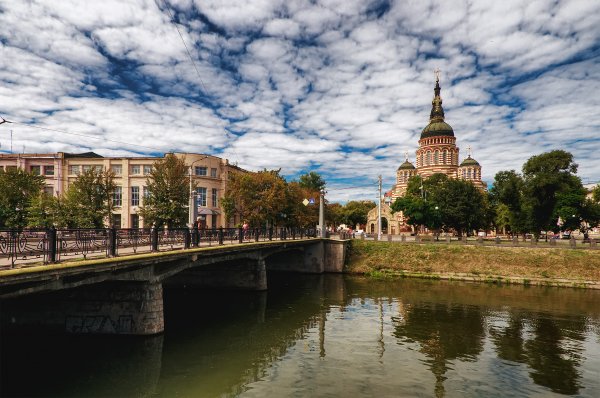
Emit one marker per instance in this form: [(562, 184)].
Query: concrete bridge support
[(134, 308)]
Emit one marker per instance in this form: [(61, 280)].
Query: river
[(331, 336)]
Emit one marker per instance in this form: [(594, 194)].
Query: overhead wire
[(185, 45)]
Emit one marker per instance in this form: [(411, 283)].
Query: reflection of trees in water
[(553, 353), (444, 332), (554, 361)]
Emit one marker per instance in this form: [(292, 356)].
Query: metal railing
[(31, 246), (514, 241)]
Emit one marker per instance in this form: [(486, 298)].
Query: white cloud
[(304, 85)]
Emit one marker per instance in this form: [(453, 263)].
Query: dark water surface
[(331, 336)]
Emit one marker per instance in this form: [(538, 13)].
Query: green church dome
[(469, 162), (437, 128), (406, 166)]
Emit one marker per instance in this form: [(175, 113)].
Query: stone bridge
[(124, 295)]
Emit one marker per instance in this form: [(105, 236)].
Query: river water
[(331, 336)]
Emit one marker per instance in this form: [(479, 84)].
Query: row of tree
[(90, 201), (547, 196)]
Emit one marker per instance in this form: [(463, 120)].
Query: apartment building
[(209, 174)]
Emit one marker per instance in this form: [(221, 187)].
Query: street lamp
[(192, 206)]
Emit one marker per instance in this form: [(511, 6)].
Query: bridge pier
[(127, 308)]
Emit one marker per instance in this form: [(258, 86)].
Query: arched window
[(436, 157), (444, 156), (428, 159), (469, 174), (421, 159)]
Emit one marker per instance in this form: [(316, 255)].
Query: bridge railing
[(31, 246)]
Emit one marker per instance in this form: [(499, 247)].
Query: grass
[(527, 264)]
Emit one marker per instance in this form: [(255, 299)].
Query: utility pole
[(379, 211), (322, 229)]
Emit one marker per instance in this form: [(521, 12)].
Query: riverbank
[(520, 265)]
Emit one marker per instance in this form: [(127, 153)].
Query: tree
[(88, 202), (298, 214), (463, 206), (43, 211), (168, 201), (312, 181), (507, 198), (18, 189), (596, 193), (415, 208), (256, 197), (545, 177), (356, 212)]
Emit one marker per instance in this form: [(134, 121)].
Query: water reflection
[(331, 336), (445, 332)]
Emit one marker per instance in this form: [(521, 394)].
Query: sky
[(340, 87)]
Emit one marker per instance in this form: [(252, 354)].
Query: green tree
[(507, 199), (417, 210), (18, 189), (463, 206), (168, 185), (355, 212), (312, 181), (596, 193), (546, 176), (88, 202), (43, 211)]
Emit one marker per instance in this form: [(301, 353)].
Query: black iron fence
[(19, 247)]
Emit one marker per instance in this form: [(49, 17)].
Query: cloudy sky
[(341, 87)]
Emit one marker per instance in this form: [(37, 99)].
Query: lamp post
[(192, 206)]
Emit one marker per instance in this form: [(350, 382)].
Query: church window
[(436, 157), (421, 159), (469, 174), (428, 159), (444, 157)]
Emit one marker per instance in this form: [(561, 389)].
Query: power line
[(186, 47), (85, 135)]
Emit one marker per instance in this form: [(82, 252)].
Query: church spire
[(437, 112)]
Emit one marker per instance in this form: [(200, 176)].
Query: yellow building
[(208, 173)]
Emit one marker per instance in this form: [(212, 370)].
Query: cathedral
[(437, 153)]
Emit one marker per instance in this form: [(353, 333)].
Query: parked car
[(358, 233), (566, 235)]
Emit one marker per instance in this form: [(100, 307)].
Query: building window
[(468, 174), (213, 172), (98, 168), (11, 168), (135, 169), (201, 170), (35, 170), (116, 220), (74, 170), (200, 196), (118, 196), (428, 159), (49, 170), (49, 190), (146, 192), (147, 169), (215, 202), (86, 168), (436, 157), (117, 169), (135, 196), (444, 157)]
